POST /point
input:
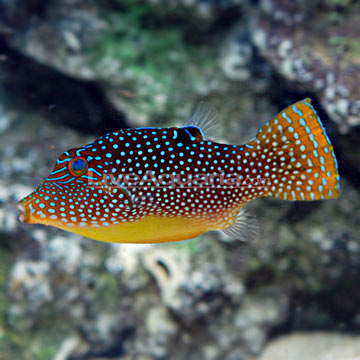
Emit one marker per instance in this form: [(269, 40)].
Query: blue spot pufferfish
[(150, 185)]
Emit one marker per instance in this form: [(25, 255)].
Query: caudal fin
[(297, 155)]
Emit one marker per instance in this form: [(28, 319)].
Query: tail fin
[(297, 155)]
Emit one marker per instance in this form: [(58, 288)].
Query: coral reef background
[(71, 70)]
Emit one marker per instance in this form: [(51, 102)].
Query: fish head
[(76, 193)]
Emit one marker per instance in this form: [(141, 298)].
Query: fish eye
[(78, 166)]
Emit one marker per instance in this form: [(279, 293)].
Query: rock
[(199, 14), (117, 47), (170, 271), (67, 101), (325, 63), (76, 28), (28, 284), (67, 348), (191, 289), (256, 315), (161, 328), (320, 346)]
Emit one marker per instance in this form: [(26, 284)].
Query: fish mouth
[(24, 218), (27, 213)]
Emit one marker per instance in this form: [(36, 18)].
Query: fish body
[(150, 185)]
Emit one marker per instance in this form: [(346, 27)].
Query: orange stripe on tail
[(298, 156)]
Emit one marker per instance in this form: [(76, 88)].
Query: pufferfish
[(152, 185)]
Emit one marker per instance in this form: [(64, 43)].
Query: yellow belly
[(152, 229)]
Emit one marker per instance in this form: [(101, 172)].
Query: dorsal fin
[(245, 228), (206, 118)]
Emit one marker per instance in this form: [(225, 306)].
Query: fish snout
[(24, 212)]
